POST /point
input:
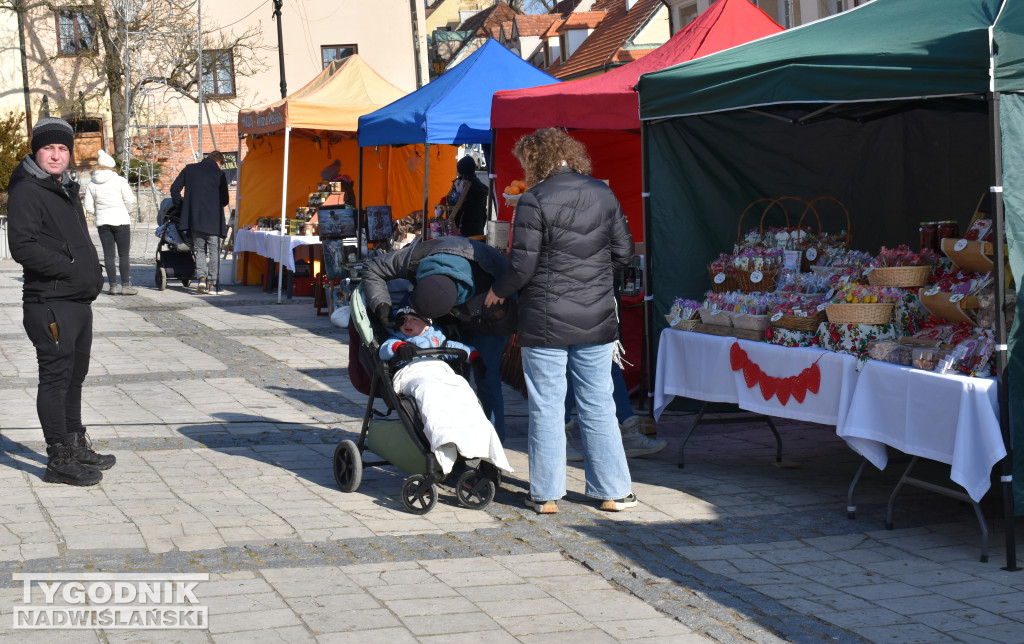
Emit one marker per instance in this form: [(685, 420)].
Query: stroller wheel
[(418, 495), (348, 466), (161, 278), (475, 490)]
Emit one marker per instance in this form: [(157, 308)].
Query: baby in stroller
[(453, 420)]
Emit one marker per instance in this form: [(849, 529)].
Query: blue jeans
[(488, 389), (623, 406), (589, 371)]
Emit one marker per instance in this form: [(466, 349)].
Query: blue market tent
[(902, 109), (454, 108)]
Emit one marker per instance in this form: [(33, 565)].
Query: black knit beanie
[(52, 130)]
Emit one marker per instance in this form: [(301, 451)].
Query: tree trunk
[(118, 122)]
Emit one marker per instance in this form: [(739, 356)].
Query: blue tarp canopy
[(454, 108)]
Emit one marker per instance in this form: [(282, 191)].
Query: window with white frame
[(218, 73), (76, 33)]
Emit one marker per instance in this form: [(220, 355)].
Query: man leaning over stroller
[(453, 420)]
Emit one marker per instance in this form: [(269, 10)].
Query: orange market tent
[(298, 137)]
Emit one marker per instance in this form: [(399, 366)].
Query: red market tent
[(603, 113)]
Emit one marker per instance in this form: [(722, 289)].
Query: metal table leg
[(906, 479), (728, 421), (851, 509)]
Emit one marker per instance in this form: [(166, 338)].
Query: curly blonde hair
[(543, 152)]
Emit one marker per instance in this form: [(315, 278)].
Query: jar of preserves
[(928, 232), (948, 229)]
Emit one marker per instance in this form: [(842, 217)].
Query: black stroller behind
[(174, 256)]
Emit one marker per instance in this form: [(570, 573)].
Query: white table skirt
[(268, 244), (946, 418), (696, 365)]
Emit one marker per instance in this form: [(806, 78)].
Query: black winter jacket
[(49, 237), (486, 262), (206, 194), (569, 238)]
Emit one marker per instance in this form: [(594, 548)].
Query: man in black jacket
[(49, 237), (202, 214)]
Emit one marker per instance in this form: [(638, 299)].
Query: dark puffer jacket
[(49, 237), (570, 237), (487, 265)]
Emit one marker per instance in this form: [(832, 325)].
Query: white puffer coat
[(109, 197)]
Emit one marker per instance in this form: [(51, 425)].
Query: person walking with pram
[(453, 419)]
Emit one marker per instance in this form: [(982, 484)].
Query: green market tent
[(893, 108)]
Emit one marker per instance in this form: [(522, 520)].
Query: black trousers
[(121, 237), (63, 363)]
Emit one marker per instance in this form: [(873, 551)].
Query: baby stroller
[(399, 438), (174, 258)]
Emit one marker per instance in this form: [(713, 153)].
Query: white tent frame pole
[(284, 213)]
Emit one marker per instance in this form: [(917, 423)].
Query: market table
[(951, 419), (268, 244)]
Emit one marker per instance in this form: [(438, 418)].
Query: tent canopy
[(881, 107), (879, 51), (726, 23), (455, 108), (333, 101)]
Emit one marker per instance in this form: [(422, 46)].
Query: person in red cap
[(451, 276)]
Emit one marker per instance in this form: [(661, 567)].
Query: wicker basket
[(902, 276), (682, 325), (799, 323), (728, 284), (716, 317), (752, 322), (769, 279), (860, 313)]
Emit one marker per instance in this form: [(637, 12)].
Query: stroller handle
[(459, 355)]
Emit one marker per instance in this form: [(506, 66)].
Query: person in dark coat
[(469, 210), (49, 237), (569, 238), (456, 273), (202, 214)]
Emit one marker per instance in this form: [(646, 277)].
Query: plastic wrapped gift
[(854, 338)]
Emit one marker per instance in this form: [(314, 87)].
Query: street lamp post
[(280, 46)]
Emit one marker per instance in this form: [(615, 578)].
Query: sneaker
[(572, 454), (128, 289), (62, 467), (635, 443), (83, 452), (115, 289), (542, 507), (618, 505), (201, 287)]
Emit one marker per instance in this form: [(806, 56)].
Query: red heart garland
[(737, 356), (813, 378), (751, 374), (799, 387), (768, 385), (783, 388)]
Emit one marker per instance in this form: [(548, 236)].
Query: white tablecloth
[(696, 365), (946, 418), (950, 419), (268, 244)]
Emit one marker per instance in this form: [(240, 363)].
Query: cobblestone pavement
[(224, 413)]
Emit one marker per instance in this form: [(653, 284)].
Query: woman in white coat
[(109, 199)]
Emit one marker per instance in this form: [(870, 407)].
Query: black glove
[(405, 351), (479, 368), (385, 316)]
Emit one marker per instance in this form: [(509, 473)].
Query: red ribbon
[(782, 388)]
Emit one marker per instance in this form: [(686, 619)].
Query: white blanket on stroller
[(453, 420)]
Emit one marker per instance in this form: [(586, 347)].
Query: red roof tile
[(600, 49), (534, 25), (488, 21), (588, 19)]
